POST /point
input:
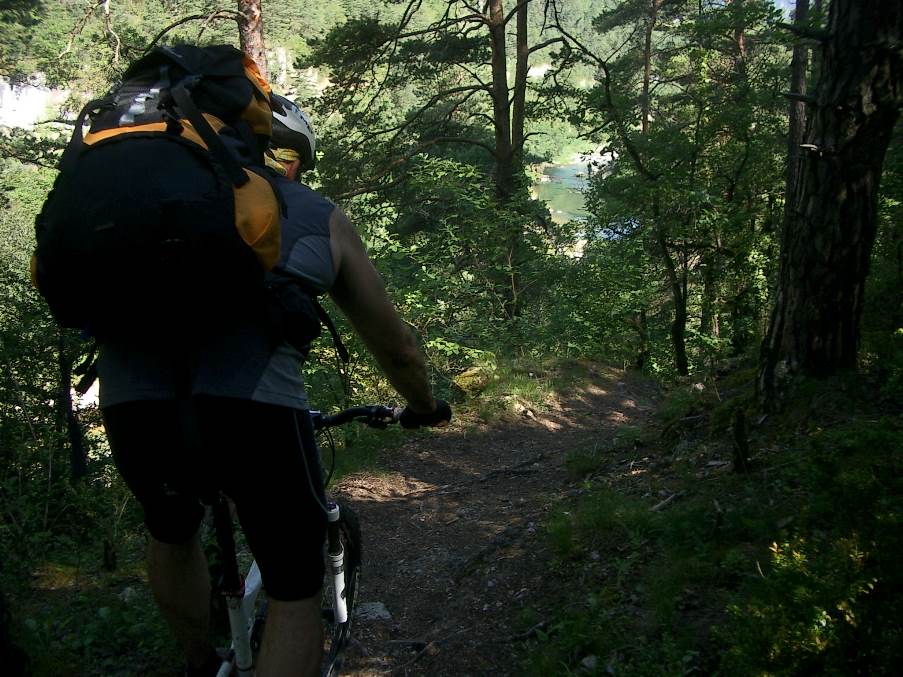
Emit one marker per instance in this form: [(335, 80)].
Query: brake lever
[(380, 417)]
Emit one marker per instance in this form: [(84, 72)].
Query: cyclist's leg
[(269, 471), (179, 578), (281, 652), (147, 441)]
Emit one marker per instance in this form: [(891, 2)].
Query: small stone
[(128, 594), (590, 663), (372, 611)]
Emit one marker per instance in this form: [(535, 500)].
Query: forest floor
[(456, 574), (584, 523)]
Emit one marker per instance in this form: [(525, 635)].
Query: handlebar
[(380, 416), (374, 416)]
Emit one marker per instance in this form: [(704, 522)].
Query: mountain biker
[(228, 411)]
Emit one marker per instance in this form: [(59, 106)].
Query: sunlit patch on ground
[(54, 576), (383, 487), (617, 417)]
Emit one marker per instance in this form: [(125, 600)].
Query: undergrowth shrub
[(831, 598), (794, 568)]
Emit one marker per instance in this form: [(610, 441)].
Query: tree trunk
[(250, 34), (645, 103), (798, 68), (679, 298), (640, 324), (501, 112), (507, 153), (78, 460), (519, 97), (678, 288), (711, 302), (830, 225)]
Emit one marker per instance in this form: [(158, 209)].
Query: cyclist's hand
[(412, 419)]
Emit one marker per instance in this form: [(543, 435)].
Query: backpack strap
[(266, 173), (182, 97), (340, 348), (77, 142), (280, 311), (250, 140)]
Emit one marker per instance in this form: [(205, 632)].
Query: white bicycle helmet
[(292, 129)]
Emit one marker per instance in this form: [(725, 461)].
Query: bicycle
[(247, 613)]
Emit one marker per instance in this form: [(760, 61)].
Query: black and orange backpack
[(164, 214)]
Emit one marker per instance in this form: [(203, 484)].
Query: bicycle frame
[(240, 595), (241, 624)]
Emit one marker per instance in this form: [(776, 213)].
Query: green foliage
[(111, 628), (714, 136), (608, 517), (829, 601), (795, 569), (626, 442), (882, 324)]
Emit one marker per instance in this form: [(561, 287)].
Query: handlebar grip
[(412, 419), (372, 415)]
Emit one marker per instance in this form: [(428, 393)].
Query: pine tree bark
[(646, 102), (501, 112), (829, 227), (519, 96), (250, 34)]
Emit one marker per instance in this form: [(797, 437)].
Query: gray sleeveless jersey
[(240, 362)]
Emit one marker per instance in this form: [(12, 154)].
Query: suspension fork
[(336, 556)]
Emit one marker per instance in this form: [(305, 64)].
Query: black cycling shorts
[(174, 453)]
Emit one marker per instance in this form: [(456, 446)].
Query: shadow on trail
[(452, 572)]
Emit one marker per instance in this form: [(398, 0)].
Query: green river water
[(561, 191)]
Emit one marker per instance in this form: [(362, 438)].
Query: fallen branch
[(524, 636), (796, 96), (815, 34), (455, 488), (660, 505), (511, 470), (431, 648)]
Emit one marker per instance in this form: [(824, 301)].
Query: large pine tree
[(830, 222)]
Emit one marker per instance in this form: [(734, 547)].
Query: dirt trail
[(450, 532)]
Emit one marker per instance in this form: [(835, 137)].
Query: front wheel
[(343, 565)]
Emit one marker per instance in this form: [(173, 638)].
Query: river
[(560, 188)]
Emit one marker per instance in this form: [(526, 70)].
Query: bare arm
[(360, 294)]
